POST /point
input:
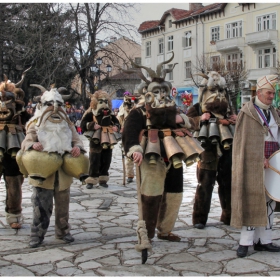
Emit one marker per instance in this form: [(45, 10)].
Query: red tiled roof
[(178, 15), (209, 8), (147, 25)]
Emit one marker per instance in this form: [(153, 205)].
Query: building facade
[(229, 34)]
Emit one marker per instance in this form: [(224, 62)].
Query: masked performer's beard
[(55, 137)]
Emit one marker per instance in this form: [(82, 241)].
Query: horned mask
[(212, 94), (157, 91)]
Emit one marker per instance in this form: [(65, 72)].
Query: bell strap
[(264, 119), (274, 169)]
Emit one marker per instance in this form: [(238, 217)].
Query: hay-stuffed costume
[(13, 117), (128, 104), (214, 125), (51, 142), (155, 136), (99, 125)]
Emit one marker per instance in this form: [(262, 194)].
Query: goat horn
[(140, 74), (202, 75), (164, 62), (151, 72), (19, 84), (61, 90), (39, 87), (165, 71)]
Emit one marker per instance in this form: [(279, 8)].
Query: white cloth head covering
[(268, 82)]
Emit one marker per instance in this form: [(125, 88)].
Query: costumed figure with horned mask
[(13, 117), (51, 154), (214, 128), (157, 139), (100, 125)]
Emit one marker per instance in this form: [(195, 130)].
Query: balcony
[(231, 44), (254, 74), (262, 37)]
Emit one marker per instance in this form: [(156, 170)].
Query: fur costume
[(160, 175), (129, 102), (51, 127), (13, 117), (100, 154), (215, 162)]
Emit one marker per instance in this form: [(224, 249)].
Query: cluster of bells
[(178, 148), (215, 133), (105, 136), (10, 143), (40, 165)]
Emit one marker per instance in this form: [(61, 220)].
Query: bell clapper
[(152, 160), (177, 163)]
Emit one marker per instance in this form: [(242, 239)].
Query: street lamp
[(95, 68)]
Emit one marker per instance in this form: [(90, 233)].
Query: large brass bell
[(3, 135), (196, 134), (88, 134), (190, 152), (226, 136), (112, 139), (96, 136), (174, 152), (195, 144), (41, 165), (232, 129), (20, 136), (203, 133), (76, 166), (105, 140), (118, 136), (213, 133), (22, 168), (143, 142), (152, 151), (13, 145)]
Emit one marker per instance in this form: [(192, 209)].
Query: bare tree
[(93, 25)]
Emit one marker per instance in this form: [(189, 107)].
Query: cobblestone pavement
[(104, 222)]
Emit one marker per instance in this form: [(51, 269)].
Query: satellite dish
[(189, 35)]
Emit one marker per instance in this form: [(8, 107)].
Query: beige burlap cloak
[(248, 192)]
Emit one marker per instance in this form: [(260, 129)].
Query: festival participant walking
[(51, 131), (256, 138), (99, 124)]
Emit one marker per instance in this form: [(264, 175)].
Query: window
[(234, 29), (267, 58), (234, 61), (170, 23), (148, 48), (215, 33), (215, 63), (137, 60), (187, 39), (170, 43), (188, 65), (266, 22), (170, 75), (160, 46)]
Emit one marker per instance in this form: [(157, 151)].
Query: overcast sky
[(154, 11)]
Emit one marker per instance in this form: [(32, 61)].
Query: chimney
[(195, 6)]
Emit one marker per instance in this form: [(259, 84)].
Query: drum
[(272, 177)]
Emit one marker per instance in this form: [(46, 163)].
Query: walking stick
[(123, 163), (143, 245)]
